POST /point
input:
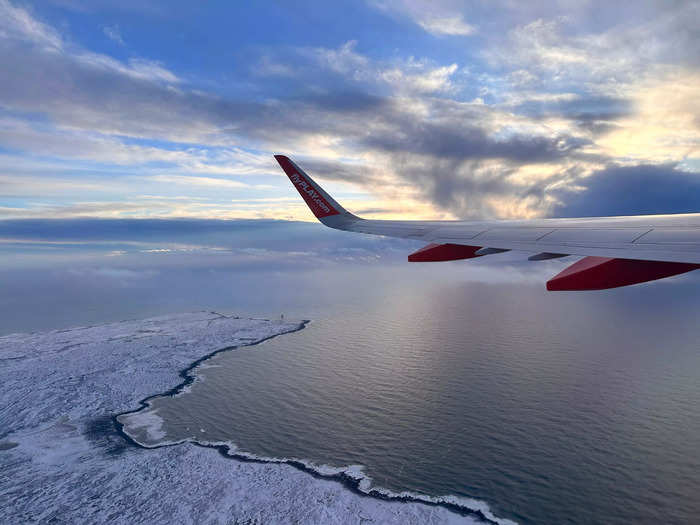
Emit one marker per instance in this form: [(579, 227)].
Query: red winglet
[(601, 273), (443, 252), (309, 191)]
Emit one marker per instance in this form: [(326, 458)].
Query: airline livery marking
[(312, 194)]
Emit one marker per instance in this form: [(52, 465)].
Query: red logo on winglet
[(314, 200)]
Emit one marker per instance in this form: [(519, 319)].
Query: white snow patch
[(145, 422)]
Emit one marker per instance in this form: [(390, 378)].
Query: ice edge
[(351, 476)]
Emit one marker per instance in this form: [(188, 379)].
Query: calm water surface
[(552, 408)]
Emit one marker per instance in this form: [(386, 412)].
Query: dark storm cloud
[(346, 102), (678, 36), (582, 109), (465, 187), (452, 185), (341, 171), (634, 190), (455, 139)]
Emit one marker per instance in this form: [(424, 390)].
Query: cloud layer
[(505, 112)]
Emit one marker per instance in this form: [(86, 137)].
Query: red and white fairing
[(617, 251)]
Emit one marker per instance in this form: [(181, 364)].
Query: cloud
[(18, 24), (633, 190), (425, 80), (436, 18), (48, 141), (392, 126), (508, 129), (461, 131), (79, 209), (74, 86), (207, 181), (114, 34), (448, 25), (565, 50), (409, 76), (664, 124), (122, 275), (240, 241), (574, 106)]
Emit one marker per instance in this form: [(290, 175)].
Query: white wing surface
[(617, 251)]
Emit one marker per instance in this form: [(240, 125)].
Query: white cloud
[(556, 52), (150, 70), (401, 76), (428, 81), (343, 60), (113, 33), (207, 181), (439, 18), (137, 68), (17, 24), (266, 66), (47, 141), (447, 25)]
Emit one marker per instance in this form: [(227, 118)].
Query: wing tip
[(319, 202)]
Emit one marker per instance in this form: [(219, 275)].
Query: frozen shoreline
[(61, 456)]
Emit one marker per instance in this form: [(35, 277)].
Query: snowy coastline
[(62, 458)]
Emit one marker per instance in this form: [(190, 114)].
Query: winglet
[(321, 204)]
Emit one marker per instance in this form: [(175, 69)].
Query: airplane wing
[(617, 251)]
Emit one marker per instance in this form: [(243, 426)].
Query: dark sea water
[(463, 378), (552, 408)]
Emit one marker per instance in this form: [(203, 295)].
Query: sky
[(403, 109)]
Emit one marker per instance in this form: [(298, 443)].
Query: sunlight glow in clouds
[(408, 109)]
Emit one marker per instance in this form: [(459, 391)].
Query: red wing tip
[(315, 198), (286, 164)]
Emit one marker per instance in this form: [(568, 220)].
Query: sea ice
[(61, 458)]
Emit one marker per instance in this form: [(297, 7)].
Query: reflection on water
[(553, 408)]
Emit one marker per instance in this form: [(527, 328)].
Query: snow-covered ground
[(63, 461)]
